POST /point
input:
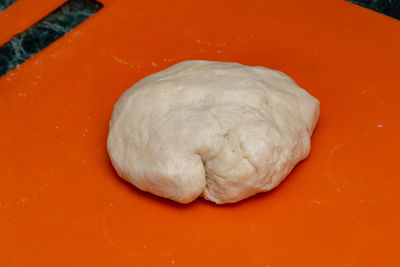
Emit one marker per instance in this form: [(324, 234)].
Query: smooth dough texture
[(223, 131)]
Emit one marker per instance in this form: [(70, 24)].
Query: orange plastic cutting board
[(62, 204)]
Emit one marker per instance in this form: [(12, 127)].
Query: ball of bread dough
[(223, 131)]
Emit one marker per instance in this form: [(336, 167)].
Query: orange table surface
[(62, 203)]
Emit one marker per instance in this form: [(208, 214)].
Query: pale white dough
[(223, 131)]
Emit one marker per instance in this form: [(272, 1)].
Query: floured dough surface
[(220, 130)]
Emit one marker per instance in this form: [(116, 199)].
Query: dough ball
[(223, 131)]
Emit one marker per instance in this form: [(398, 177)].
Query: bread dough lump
[(223, 131)]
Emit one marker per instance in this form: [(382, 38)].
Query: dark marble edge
[(387, 7), (25, 45), (5, 3)]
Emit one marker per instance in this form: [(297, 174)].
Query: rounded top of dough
[(220, 130)]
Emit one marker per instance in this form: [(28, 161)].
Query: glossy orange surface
[(62, 204)]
